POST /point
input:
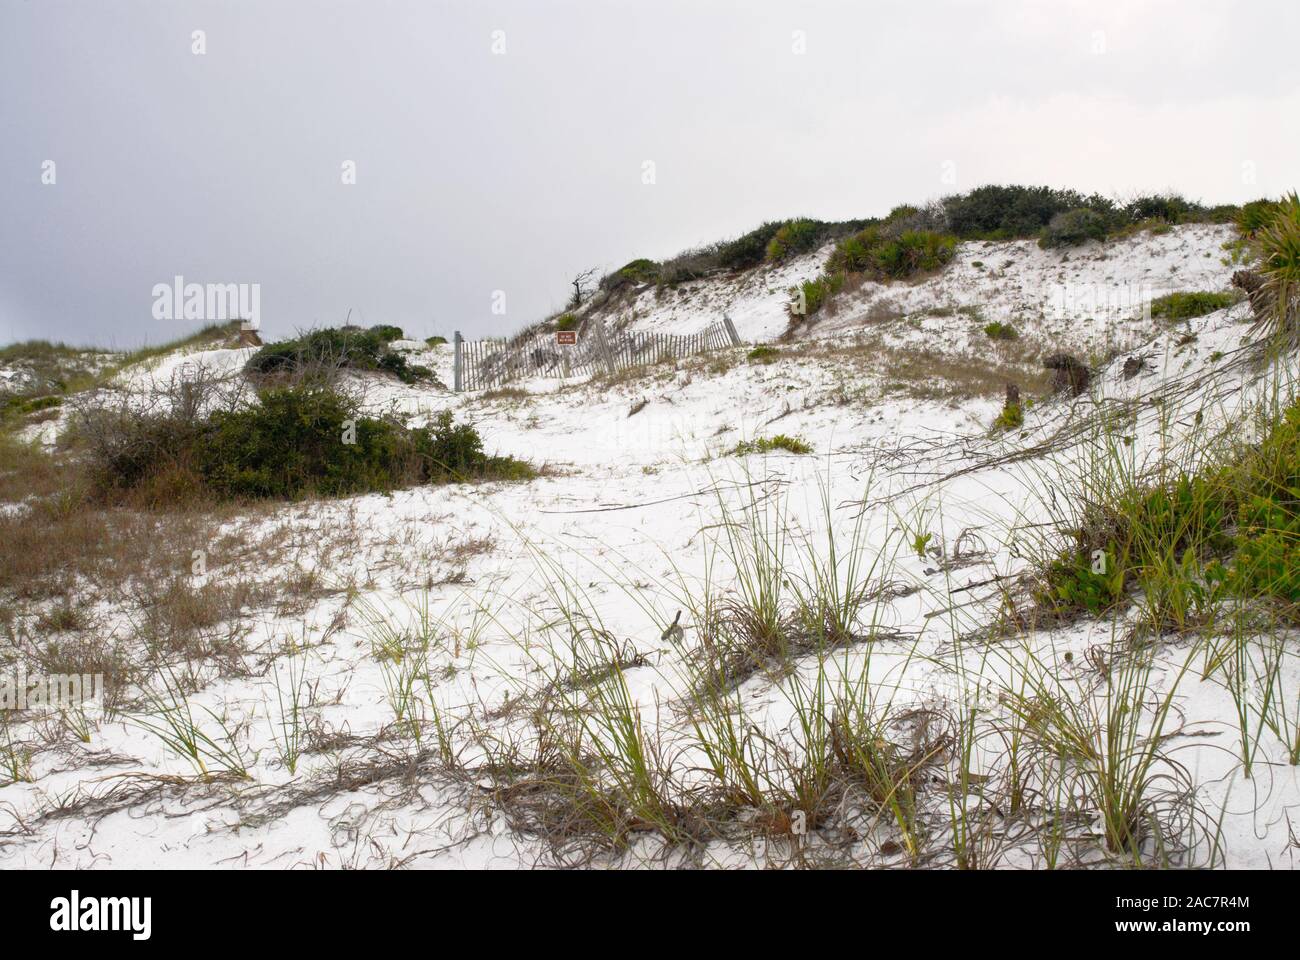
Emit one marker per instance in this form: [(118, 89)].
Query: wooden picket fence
[(493, 362)]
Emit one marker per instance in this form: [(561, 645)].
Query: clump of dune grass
[(212, 746), (997, 330), (15, 758), (771, 444), (1105, 737)]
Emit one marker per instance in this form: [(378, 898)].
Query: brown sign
[(566, 337)]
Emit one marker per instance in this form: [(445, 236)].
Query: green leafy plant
[(793, 237), (301, 440), (921, 544), (1012, 417), (878, 254), (1092, 583), (1267, 561), (1279, 250), (813, 294), (1256, 215), (1187, 305)]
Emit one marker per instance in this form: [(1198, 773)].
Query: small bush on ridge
[(794, 237), (334, 347), (1072, 228)]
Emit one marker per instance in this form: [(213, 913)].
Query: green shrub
[(815, 294), (882, 257), (435, 341), (794, 237), (567, 322), (18, 407), (301, 440), (1223, 213), (1001, 331), (1268, 563), (1072, 228), (747, 250), (454, 448), (986, 213), (1187, 305), (636, 272), (763, 354), (768, 444), (1169, 207), (912, 252), (295, 442), (1256, 215), (387, 332), (996, 212), (1010, 212), (904, 211), (854, 254), (1078, 585), (343, 347)]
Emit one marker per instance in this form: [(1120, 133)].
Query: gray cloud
[(479, 172)]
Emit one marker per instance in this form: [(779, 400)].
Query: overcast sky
[(504, 145)]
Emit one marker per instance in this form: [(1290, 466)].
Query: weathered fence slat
[(491, 362)]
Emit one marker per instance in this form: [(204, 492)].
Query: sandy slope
[(627, 512)]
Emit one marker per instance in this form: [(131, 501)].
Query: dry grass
[(121, 588), (55, 549), (504, 393), (931, 373), (927, 374), (26, 470)]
